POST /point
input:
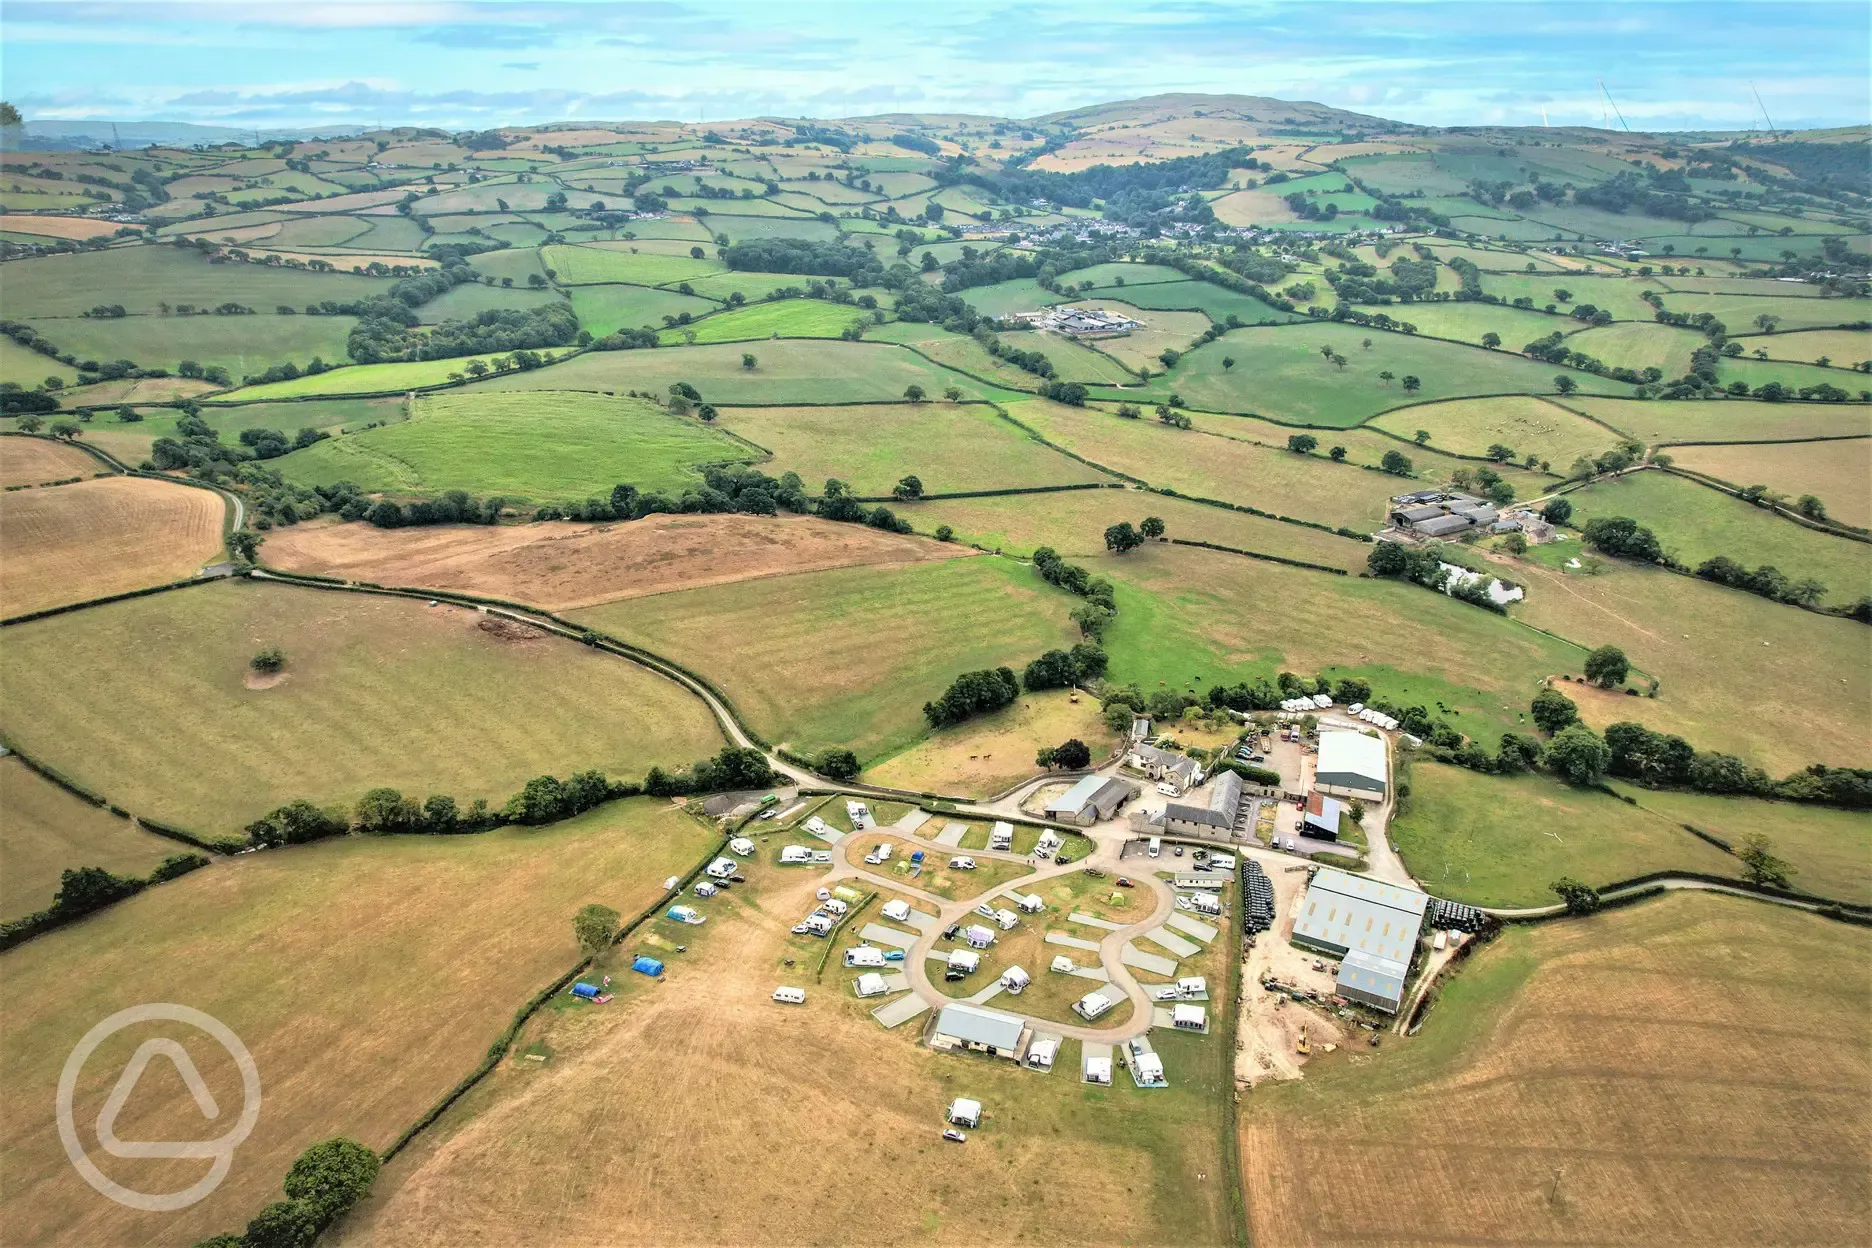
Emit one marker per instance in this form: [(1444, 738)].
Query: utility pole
[(1615, 108)]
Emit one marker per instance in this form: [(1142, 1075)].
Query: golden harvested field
[(1525, 424), (1074, 524), (1806, 684), (651, 1112), (44, 831), (160, 718), (34, 461), (989, 753), (1694, 1070), (1837, 471), (561, 566), (1727, 420), (366, 975), (68, 543), (60, 227)]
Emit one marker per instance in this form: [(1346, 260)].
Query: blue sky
[(461, 63)]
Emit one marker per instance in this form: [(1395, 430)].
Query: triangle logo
[(126, 1084)]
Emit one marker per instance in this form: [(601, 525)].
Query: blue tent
[(917, 856), (646, 966), (582, 989)]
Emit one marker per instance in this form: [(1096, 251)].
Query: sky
[(468, 64)]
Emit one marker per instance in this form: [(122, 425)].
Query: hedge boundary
[(1255, 554), (48, 612)]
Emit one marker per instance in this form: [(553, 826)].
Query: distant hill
[(57, 135)]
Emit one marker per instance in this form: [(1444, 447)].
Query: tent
[(585, 990), (645, 965), (965, 1113), (871, 984)]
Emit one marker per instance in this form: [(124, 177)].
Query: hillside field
[(68, 543), (377, 691)]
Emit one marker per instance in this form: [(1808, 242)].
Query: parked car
[(949, 933), (1125, 882), (767, 814), (1177, 850), (1094, 872), (739, 879), (954, 1136)]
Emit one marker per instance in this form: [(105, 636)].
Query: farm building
[(976, 1028), (1352, 764), (1320, 818), (1370, 924), (1216, 817), (1433, 513), (1089, 801), (1166, 766)]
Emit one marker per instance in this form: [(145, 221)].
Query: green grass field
[(366, 975), (472, 298), (1142, 348), (531, 446), (1727, 420), (1793, 376), (365, 379), (1468, 321), (1100, 276), (44, 831), (1211, 300), (1194, 618), (585, 265), (1695, 522), (1617, 295), (803, 371), (131, 441), (1525, 424), (377, 691), (946, 446), (1834, 471), (1282, 373), (962, 353), (243, 345), (1845, 347), (1739, 312), (143, 278), (786, 318), (849, 657), (1830, 850), (606, 309), (1022, 294), (1639, 345), (1502, 841)]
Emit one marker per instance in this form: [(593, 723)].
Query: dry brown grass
[(697, 1111), (366, 975), (60, 227), (74, 542), (34, 461), (989, 753), (1835, 471), (44, 831), (1694, 1071), (562, 566)]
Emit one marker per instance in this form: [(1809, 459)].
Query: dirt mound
[(507, 629)]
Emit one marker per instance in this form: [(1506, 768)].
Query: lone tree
[(243, 543), (1565, 384), (1580, 898), (596, 927), (332, 1176), (838, 764), (908, 490), (1759, 864), (1423, 436), (953, 393), (1412, 383), (1121, 537), (1228, 362), (1491, 340), (1151, 527), (268, 661), (1558, 511), (749, 361), (1072, 754), (914, 393), (1396, 463), (1607, 666), (1553, 710), (1337, 454), (1301, 443), (1578, 754)]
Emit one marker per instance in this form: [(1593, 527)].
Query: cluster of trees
[(85, 890), (1071, 754), (799, 255), (1665, 196), (1126, 185), (972, 693), (377, 339), (1621, 535), (839, 503), (1426, 566), (327, 1179), (1767, 581), (1123, 537), (1099, 608), (1062, 669)]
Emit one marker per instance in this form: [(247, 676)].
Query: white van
[(961, 864), (1167, 789), (1156, 846)]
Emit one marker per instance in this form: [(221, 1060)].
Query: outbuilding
[(1091, 800), (1371, 924), (1352, 764), (963, 1026), (1320, 818), (1216, 817)]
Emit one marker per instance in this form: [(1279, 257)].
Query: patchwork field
[(991, 752), (1695, 522), (144, 278), (67, 543), (34, 461), (871, 447), (368, 379), (243, 345), (1829, 850), (376, 691), (560, 565), (1728, 420), (1845, 347), (1639, 345), (45, 831), (533, 446), (1652, 1074), (804, 656), (1523, 423), (710, 1025), (1503, 840), (1283, 373), (606, 309), (786, 318), (443, 938), (585, 265), (1834, 471)]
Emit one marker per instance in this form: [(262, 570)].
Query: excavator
[(1301, 1046)]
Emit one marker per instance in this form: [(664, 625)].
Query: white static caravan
[(864, 956), (1001, 836), (1220, 862), (1062, 964), (871, 984), (818, 923), (722, 868), (1040, 1054), (742, 846), (896, 911), (1093, 1005), (1030, 904), (834, 906), (1189, 1017), (1007, 920), (1192, 986), (1014, 979), (795, 856), (965, 1113), (790, 996), (977, 936)]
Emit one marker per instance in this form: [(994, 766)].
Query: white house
[(1178, 770), (864, 955)]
